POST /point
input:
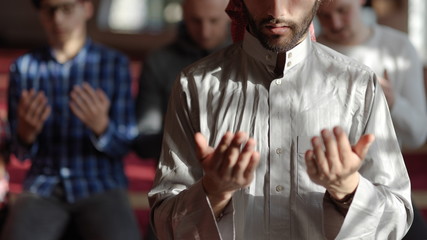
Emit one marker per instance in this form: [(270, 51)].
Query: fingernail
[(325, 133), (337, 130), (315, 141)]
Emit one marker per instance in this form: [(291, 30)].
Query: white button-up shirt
[(237, 90)]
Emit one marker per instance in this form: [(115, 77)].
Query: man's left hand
[(91, 107), (334, 163)]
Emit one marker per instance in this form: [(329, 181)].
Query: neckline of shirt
[(256, 50), (81, 53)]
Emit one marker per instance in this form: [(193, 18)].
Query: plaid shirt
[(66, 151)]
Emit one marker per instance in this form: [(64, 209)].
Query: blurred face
[(64, 20), (340, 20), (280, 24), (206, 22)]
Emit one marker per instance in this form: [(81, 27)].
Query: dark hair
[(36, 3), (368, 3)]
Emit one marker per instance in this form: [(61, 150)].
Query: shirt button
[(290, 55), (278, 150), (278, 81), (279, 188), (65, 172), (268, 57), (289, 64)]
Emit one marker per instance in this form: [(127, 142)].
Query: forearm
[(218, 201), (23, 151), (185, 216), (376, 212), (116, 140), (20, 147)]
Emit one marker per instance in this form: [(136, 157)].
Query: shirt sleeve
[(117, 140), (180, 207), (381, 207), (409, 112)]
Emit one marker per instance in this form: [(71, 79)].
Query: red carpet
[(140, 173)]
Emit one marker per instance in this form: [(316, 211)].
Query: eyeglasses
[(65, 8)]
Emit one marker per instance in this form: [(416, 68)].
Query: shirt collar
[(81, 53), (254, 48)]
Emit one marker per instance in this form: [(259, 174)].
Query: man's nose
[(58, 16), (277, 8), (336, 22), (205, 29)]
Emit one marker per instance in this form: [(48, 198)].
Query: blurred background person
[(390, 54), (397, 65), (205, 29), (71, 113)]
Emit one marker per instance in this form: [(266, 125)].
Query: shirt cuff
[(342, 205), (24, 151), (226, 222), (366, 205), (192, 217), (104, 140)]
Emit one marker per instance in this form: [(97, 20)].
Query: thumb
[(362, 146), (202, 148)]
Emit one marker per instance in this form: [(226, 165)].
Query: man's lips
[(277, 28)]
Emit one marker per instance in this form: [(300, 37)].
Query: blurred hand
[(227, 168), (387, 88), (4, 182), (2, 167), (334, 163), (33, 110), (91, 107)]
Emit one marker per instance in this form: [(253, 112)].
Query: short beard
[(298, 31)]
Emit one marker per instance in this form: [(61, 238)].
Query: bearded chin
[(274, 43)]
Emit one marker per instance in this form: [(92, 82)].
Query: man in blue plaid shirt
[(71, 114)]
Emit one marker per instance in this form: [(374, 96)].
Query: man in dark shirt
[(71, 113), (205, 29)]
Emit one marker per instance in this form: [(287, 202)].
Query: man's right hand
[(228, 167), (33, 110)]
